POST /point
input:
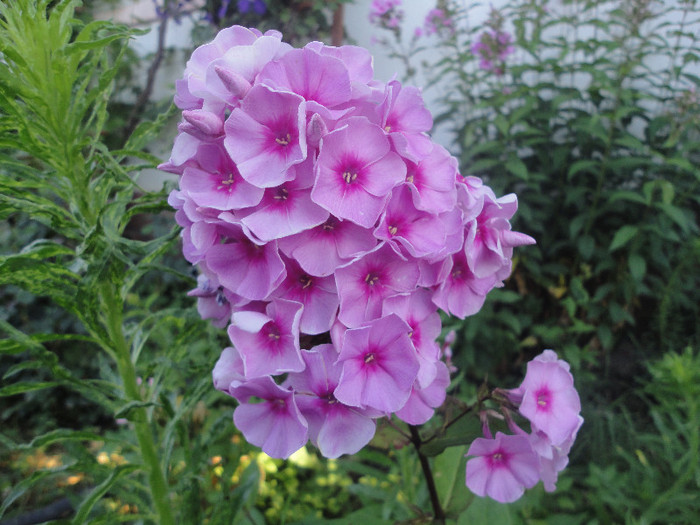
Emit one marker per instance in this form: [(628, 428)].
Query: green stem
[(439, 517), (139, 417)]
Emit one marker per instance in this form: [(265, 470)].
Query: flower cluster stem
[(138, 416), (439, 517)]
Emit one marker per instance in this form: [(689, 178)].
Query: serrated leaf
[(623, 236)]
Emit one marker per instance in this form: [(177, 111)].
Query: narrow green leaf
[(93, 497), (23, 486), (132, 405), (23, 387), (62, 434)]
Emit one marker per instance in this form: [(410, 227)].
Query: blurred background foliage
[(593, 119)]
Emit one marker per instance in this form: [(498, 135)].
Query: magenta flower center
[(498, 459), (281, 194), (349, 176), (371, 278), (284, 140), (226, 183), (543, 396), (305, 281), (369, 358), (272, 331)]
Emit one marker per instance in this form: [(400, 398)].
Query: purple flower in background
[(386, 14), (492, 48), (438, 22), (244, 6)]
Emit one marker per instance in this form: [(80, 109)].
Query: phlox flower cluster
[(386, 13), (328, 229), (436, 22), (492, 49), (504, 466)]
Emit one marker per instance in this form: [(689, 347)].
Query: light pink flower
[(502, 468)]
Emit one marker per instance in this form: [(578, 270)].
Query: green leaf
[(462, 432), (23, 486), (623, 236), (585, 165), (485, 511), (448, 471), (60, 435), (23, 387), (677, 215), (517, 167), (586, 246), (637, 266), (93, 497), (132, 405)]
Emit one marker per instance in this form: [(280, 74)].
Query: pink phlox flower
[(550, 401), (420, 314), (502, 468), (229, 77), (338, 241), (286, 209), (228, 370), (432, 273), (244, 267), (213, 301), (357, 60), (319, 78), (318, 295), (422, 402), (355, 172), (366, 282), (191, 90), (406, 120), (432, 181), (553, 459), (274, 424), (462, 293), (216, 182), (335, 428), (379, 365), (408, 230), (266, 135), (490, 241), (268, 342)]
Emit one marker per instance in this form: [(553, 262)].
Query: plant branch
[(145, 95), (425, 465)]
